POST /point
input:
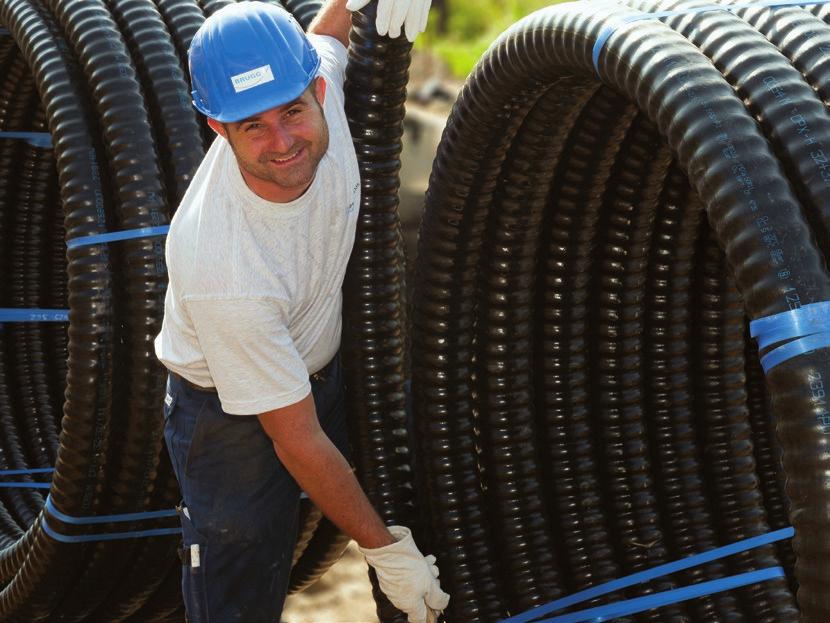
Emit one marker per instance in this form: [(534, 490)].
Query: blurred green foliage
[(471, 26)]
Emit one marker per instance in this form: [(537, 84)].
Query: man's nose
[(281, 139)]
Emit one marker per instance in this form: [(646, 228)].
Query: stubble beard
[(296, 176)]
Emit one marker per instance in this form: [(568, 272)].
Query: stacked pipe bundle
[(108, 81), (587, 400), (374, 331)]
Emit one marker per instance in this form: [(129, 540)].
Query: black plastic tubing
[(586, 403), (107, 79)]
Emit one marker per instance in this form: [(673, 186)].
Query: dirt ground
[(342, 595)]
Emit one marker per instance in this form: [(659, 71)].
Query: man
[(256, 255)]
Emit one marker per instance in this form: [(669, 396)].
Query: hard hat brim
[(254, 106)]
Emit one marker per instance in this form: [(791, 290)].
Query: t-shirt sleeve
[(249, 352), (333, 58)]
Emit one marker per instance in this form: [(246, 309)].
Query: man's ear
[(217, 127), (320, 90)]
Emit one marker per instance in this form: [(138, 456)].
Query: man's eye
[(252, 126), (293, 112)]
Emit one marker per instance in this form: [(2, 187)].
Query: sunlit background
[(460, 31)]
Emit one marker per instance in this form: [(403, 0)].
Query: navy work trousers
[(241, 503)]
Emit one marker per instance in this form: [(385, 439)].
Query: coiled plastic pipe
[(586, 403), (108, 82), (374, 323)]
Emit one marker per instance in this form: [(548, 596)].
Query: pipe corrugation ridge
[(615, 311), (725, 434), (133, 430), (324, 548), (34, 565), (582, 529), (176, 129), (22, 415), (183, 18), (209, 7), (677, 455), (374, 320), (767, 451)]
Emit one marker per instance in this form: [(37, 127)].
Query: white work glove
[(392, 14), (408, 578)]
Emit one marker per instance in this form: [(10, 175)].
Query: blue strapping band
[(84, 521), (610, 29), (99, 519), (26, 485), (112, 536), (805, 320), (808, 328), (658, 600), (11, 314), (650, 574), (18, 472), (128, 234), (36, 139), (801, 346), (62, 315)]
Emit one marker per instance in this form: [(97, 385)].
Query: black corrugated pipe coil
[(588, 401), (108, 81)]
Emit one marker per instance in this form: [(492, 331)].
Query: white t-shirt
[(253, 300)]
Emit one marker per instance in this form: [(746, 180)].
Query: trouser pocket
[(194, 556), (242, 513), (182, 429)]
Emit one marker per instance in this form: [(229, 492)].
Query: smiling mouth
[(289, 160)]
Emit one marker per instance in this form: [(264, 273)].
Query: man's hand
[(392, 14), (408, 578)]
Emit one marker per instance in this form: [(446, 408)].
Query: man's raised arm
[(333, 19)]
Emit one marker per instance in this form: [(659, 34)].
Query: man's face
[(278, 150)]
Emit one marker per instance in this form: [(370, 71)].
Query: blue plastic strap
[(112, 536), (83, 521), (62, 315), (795, 348), (650, 574), (17, 472), (8, 314), (36, 139), (26, 485), (808, 328), (658, 600), (109, 536), (129, 234), (806, 320), (610, 29)]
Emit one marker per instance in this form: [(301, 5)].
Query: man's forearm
[(323, 473), (404, 574), (333, 19), (328, 480)]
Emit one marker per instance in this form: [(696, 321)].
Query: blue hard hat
[(249, 57)]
